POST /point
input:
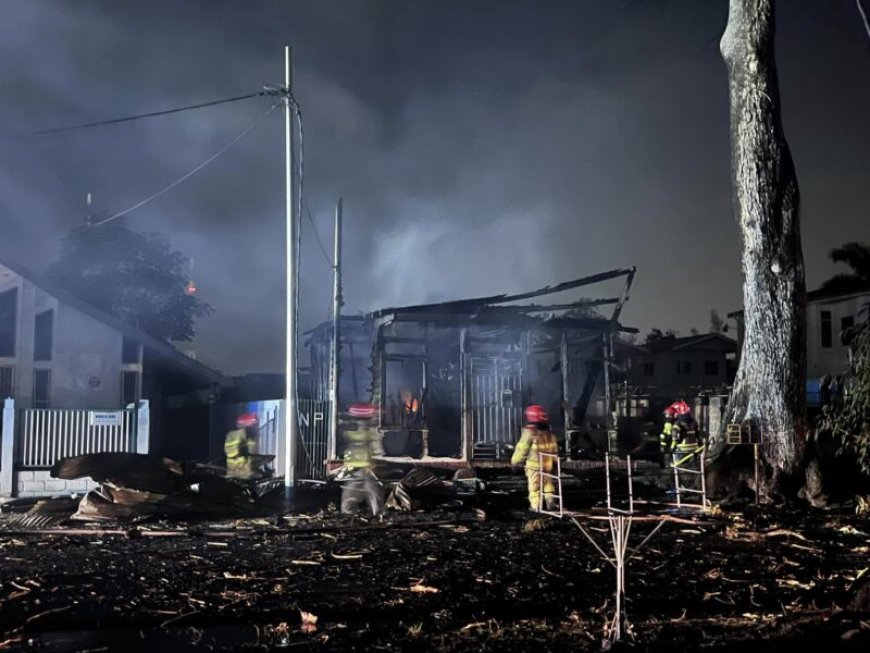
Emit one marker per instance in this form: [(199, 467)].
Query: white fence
[(313, 438), (47, 435), (267, 440)]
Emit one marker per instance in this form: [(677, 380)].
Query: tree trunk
[(769, 390)]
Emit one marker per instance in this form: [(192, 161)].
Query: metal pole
[(291, 437), (566, 406), (703, 483), (335, 350), (607, 415), (630, 487), (607, 476)]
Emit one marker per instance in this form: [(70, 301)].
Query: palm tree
[(857, 257)]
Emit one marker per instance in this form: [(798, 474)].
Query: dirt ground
[(484, 578)]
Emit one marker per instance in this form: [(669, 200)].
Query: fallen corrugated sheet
[(418, 489), (139, 485)]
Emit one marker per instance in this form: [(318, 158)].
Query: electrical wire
[(319, 241), (181, 179), (863, 13), (141, 116), (291, 101)]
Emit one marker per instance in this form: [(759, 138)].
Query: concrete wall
[(86, 369), (40, 483), (831, 360)]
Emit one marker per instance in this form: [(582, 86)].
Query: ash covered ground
[(487, 577)]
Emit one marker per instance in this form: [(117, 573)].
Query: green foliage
[(848, 418), (657, 334), (857, 257), (134, 276)]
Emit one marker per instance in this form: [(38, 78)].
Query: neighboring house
[(58, 352), (829, 315), (680, 367)]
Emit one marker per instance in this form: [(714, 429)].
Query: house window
[(43, 336), (129, 351), (684, 368), (711, 368), (7, 381), (129, 387), (8, 320), (649, 369), (827, 339), (41, 388)]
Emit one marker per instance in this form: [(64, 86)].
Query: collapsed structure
[(450, 379)]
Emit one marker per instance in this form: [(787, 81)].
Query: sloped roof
[(837, 293), (821, 294), (159, 348), (498, 310)]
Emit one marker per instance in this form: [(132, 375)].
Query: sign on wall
[(105, 418)]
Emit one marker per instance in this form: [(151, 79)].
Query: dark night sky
[(481, 146)]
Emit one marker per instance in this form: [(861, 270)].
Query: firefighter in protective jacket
[(666, 437), (537, 438), (239, 447), (358, 482)]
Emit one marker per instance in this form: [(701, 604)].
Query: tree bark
[(769, 391)]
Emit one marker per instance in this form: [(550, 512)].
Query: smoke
[(480, 148)]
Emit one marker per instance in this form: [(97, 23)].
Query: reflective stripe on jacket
[(666, 436), (236, 444), (358, 451), (532, 442)]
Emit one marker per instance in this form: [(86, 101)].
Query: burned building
[(450, 380)]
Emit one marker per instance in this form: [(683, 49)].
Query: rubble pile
[(141, 485)]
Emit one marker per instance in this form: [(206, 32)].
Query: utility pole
[(335, 350), (291, 435)]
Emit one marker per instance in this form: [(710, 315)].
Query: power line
[(175, 183), (141, 116), (317, 237), (863, 13)]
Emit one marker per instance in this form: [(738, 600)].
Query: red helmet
[(246, 419), (670, 413), (361, 411), (535, 414), (680, 408)]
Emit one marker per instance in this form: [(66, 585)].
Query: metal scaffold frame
[(620, 520)]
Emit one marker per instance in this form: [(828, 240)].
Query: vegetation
[(857, 257), (136, 277), (848, 418)]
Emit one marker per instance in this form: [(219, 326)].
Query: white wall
[(40, 483), (86, 355), (86, 367), (831, 360)]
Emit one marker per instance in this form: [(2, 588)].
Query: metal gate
[(47, 435), (495, 400), (313, 439)]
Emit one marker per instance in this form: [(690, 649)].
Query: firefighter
[(666, 437), (359, 484), (240, 445), (537, 438), (686, 434)]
